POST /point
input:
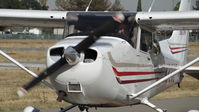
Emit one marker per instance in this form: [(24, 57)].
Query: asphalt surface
[(171, 105), (23, 49), (9, 65)]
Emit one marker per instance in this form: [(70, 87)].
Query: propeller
[(71, 54)]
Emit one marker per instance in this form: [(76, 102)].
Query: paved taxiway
[(9, 65), (172, 105)]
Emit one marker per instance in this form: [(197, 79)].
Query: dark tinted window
[(86, 22)]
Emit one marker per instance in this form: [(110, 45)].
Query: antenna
[(151, 6), (88, 6)]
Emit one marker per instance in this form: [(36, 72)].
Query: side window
[(156, 47), (133, 36), (146, 41)]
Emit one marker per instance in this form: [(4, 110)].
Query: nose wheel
[(67, 108), (83, 108)]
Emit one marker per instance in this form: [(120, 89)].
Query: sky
[(131, 5)]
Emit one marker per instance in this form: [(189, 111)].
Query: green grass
[(40, 96)]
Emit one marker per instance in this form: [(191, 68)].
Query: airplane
[(110, 59)]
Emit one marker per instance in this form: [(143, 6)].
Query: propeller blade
[(71, 54), (49, 71)]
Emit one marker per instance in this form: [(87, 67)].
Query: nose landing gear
[(83, 108), (67, 108)]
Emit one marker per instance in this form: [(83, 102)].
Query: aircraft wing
[(193, 71), (37, 18), (172, 20)]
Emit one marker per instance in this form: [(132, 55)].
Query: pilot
[(122, 30), (89, 29)]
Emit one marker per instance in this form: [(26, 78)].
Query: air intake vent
[(90, 55), (56, 53), (74, 87)]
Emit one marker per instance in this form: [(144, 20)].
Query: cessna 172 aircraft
[(110, 59)]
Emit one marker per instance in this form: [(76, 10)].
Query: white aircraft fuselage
[(108, 80)]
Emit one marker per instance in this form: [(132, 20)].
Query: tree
[(139, 6), (197, 5), (176, 8), (100, 5), (32, 4), (10, 4), (71, 5), (80, 5), (117, 6), (23, 4), (43, 4)]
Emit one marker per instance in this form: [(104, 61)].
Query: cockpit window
[(81, 23), (146, 40)]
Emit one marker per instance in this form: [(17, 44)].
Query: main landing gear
[(146, 102), (81, 108), (67, 108)]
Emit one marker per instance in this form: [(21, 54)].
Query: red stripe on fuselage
[(132, 73), (175, 48), (178, 52), (182, 49)]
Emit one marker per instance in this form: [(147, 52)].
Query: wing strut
[(87, 8), (25, 69), (165, 78), (152, 3)]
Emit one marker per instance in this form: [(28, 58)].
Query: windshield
[(84, 23)]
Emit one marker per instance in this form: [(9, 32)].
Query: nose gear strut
[(83, 108)]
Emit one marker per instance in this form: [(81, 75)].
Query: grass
[(189, 87), (26, 43), (40, 96), (26, 56), (194, 45), (10, 80), (43, 97), (29, 55)]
